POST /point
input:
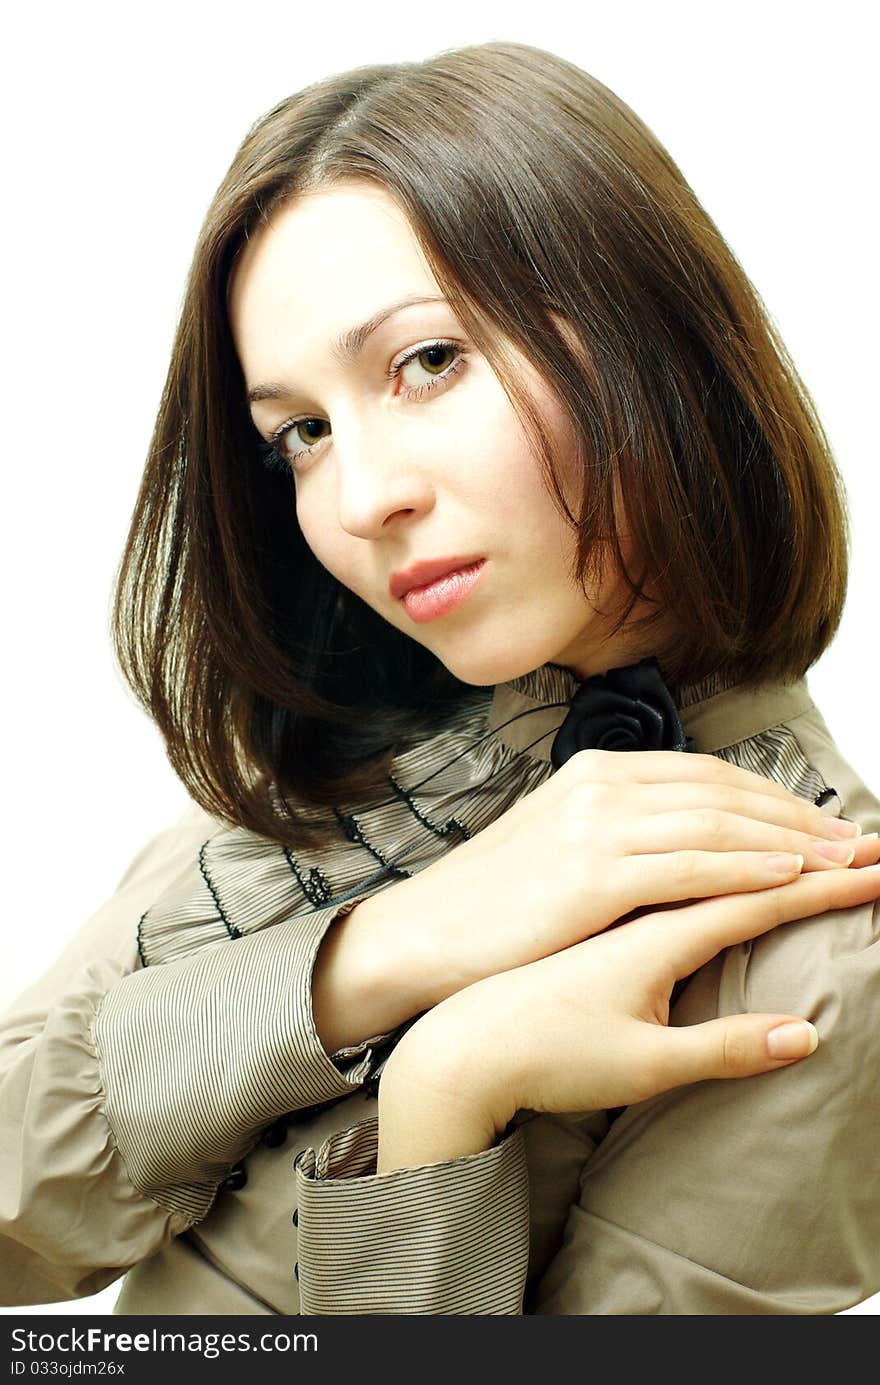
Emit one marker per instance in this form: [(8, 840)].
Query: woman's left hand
[(587, 1028)]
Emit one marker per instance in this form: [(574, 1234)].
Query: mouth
[(443, 593), (428, 570)]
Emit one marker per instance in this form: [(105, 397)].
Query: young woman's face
[(431, 464)]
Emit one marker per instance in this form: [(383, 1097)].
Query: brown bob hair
[(552, 219)]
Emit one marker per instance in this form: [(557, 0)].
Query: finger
[(733, 1046), (671, 766), (693, 934), (708, 830), (795, 813), (867, 849)]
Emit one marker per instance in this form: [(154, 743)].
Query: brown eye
[(435, 351), (439, 361), (307, 436)]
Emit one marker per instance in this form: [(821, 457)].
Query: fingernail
[(783, 863), (835, 851), (795, 1039), (866, 836), (842, 827)]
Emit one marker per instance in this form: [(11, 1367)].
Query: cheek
[(316, 531)]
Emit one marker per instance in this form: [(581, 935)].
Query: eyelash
[(275, 459)]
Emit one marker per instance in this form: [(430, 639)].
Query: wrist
[(426, 1115), (371, 973), (394, 935), (449, 1065)]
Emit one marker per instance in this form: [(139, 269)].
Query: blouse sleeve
[(752, 1196), (128, 1092)]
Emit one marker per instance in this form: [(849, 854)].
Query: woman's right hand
[(610, 833)]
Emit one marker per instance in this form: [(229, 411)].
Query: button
[(236, 1180), (295, 1217), (296, 1270)]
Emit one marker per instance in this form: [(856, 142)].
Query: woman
[(467, 316)]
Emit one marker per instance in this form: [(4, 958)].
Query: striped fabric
[(394, 1249), (245, 1051), (776, 755), (227, 955)]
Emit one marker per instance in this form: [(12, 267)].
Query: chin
[(487, 671)]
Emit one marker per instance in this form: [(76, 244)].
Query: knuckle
[(592, 798), (656, 1074), (779, 907), (712, 823), (650, 1078), (684, 866), (589, 764), (714, 768), (830, 888), (735, 1050)]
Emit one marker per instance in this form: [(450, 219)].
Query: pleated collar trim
[(525, 713)]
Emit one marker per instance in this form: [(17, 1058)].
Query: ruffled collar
[(526, 712)]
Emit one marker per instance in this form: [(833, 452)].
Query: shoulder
[(110, 934), (825, 968), (819, 748)]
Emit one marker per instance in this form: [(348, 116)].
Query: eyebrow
[(348, 345)]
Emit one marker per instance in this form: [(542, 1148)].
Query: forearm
[(375, 969), (198, 1056)]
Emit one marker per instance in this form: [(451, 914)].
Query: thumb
[(736, 1046)]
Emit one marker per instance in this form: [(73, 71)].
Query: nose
[(381, 481)]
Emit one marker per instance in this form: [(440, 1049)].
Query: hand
[(587, 1028), (610, 832)]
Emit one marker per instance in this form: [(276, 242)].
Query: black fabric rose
[(625, 709)]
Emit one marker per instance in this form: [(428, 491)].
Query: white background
[(119, 124)]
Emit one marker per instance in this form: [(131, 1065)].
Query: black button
[(236, 1179), (296, 1270), (296, 1216), (275, 1135)]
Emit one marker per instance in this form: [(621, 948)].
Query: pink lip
[(444, 594), (423, 573)]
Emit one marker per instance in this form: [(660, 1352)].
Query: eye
[(434, 368), (277, 452)]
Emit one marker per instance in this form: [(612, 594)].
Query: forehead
[(329, 257)]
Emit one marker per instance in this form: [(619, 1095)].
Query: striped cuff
[(199, 1055), (444, 1238)]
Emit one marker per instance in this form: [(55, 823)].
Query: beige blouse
[(169, 1114)]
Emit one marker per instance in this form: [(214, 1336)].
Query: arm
[(70, 1219), (238, 934), (128, 1092), (452, 1234)]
